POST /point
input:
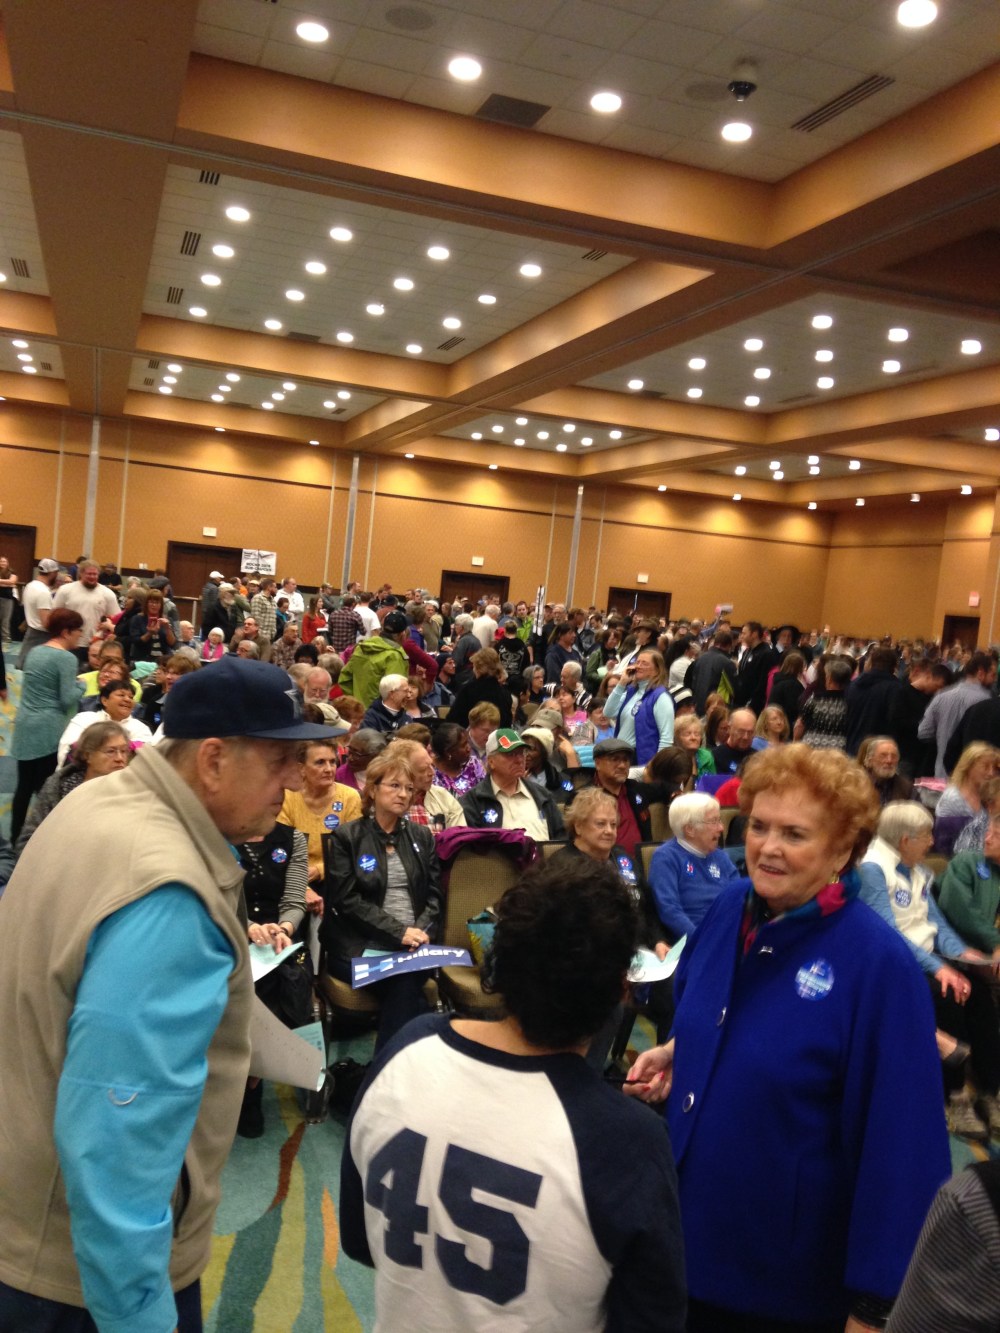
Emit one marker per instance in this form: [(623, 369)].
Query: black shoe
[(348, 1076), (251, 1122)]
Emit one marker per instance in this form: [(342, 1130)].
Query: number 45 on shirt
[(401, 1161)]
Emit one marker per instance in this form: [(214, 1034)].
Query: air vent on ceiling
[(875, 83), (208, 178), (20, 267), (149, 381), (175, 295), (449, 344), (409, 18), (45, 365), (798, 398), (595, 255), (154, 363), (190, 243), (237, 404), (512, 111), (302, 337), (335, 411), (652, 393)]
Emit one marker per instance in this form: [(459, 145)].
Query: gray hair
[(390, 682), (463, 622), (572, 669), (369, 740), (903, 819), (693, 807), (493, 610)]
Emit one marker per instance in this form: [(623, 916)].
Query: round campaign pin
[(279, 856), (567, 784), (331, 821), (814, 981), (367, 863), (903, 897), (338, 806), (491, 816)]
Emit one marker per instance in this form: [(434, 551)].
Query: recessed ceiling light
[(272, 324), (542, 435), (345, 336), (198, 311), (635, 385), (561, 448), (409, 455), (606, 103), (268, 407), (697, 363), (736, 131), (486, 298), (315, 266), (494, 466), (531, 270), (174, 368), (170, 379), (774, 465), (860, 503), (341, 234), (3, 278), (824, 354), (754, 344), (438, 252), (695, 392), (898, 335), (403, 284), (569, 427), (762, 373), (778, 476), (164, 388), (288, 386), (221, 430), (971, 347), (891, 367), (232, 377), (520, 421), (314, 441), (751, 400), (916, 13), (293, 294), (814, 471), (451, 322), (218, 398), (329, 403), (740, 471), (211, 280), (310, 31), (811, 504), (25, 356), (822, 321), (19, 342), (464, 68), (374, 308), (278, 396), (497, 430), (223, 251), (225, 388), (586, 441), (737, 497), (661, 488), (519, 442), (966, 490), (854, 465), (614, 434), (237, 213), (991, 433), (477, 434), (813, 458), (825, 382), (343, 395), (414, 349), (915, 498)]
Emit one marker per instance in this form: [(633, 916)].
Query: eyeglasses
[(323, 763), (117, 751), (397, 786)]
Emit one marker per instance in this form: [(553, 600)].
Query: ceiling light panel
[(856, 339), (796, 467), (45, 358), (501, 429), (199, 383), (289, 228)]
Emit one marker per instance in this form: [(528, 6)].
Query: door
[(17, 543), (648, 603), (189, 566), (458, 584), (964, 629)]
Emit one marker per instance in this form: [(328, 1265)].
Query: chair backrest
[(646, 850), (936, 863), (727, 816), (659, 821), (580, 777), (549, 848), (443, 711), (477, 880)]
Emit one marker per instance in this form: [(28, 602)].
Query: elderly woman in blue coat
[(803, 1042), (687, 873)]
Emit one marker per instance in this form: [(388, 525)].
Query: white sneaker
[(961, 1116)]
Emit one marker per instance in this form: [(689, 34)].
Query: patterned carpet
[(276, 1262)]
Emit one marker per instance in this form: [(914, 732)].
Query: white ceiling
[(18, 229), (45, 357), (670, 60)]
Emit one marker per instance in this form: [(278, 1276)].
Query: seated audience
[(672, 769), (284, 648), (504, 799), (535, 681), (897, 886), (484, 719), (382, 889), (717, 725), (689, 735), (788, 687), (116, 706), (388, 712), (970, 892), (112, 668), (322, 803), (772, 728), (158, 686), (486, 686), (150, 632), (215, 645), (822, 720), (642, 706), (962, 799), (456, 768), (431, 805), (103, 748), (351, 712), (879, 757), (362, 747), (972, 838), (730, 756), (686, 873), (612, 760), (570, 678)]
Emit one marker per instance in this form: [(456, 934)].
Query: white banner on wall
[(259, 562)]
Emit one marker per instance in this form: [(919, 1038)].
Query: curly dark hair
[(564, 939)]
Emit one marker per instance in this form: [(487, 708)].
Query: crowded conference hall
[(499, 642)]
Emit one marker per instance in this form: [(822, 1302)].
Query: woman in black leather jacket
[(382, 888)]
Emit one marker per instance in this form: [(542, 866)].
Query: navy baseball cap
[(237, 697)]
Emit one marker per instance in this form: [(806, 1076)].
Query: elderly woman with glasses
[(382, 888), (102, 749)]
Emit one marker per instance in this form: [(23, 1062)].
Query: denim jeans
[(22, 1313)]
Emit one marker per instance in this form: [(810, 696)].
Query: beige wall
[(885, 569)]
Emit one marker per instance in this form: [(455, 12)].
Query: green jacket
[(970, 898), (371, 660)]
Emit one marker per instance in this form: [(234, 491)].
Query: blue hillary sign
[(374, 966)]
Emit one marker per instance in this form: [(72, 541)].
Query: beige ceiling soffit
[(958, 456), (880, 485), (479, 455), (261, 354), (650, 457), (396, 421), (240, 420), (949, 128), (949, 402), (33, 389), (24, 315), (666, 417), (263, 116), (714, 485)]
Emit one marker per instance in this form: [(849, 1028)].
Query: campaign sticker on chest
[(625, 866), (279, 856), (902, 897), (337, 806), (567, 784), (638, 800), (491, 816), (367, 863), (331, 821), (983, 870), (815, 980), (689, 868), (714, 871)]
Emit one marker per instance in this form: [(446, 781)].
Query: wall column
[(90, 509), (352, 510), (574, 547)]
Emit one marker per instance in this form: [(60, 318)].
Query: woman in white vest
[(898, 887)]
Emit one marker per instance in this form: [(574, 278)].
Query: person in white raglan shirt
[(364, 610), (37, 603)]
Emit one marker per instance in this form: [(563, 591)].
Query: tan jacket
[(107, 844)]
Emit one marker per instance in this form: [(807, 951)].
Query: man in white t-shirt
[(491, 1178), (296, 604), (37, 603), (485, 627), (90, 599), (364, 610)]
